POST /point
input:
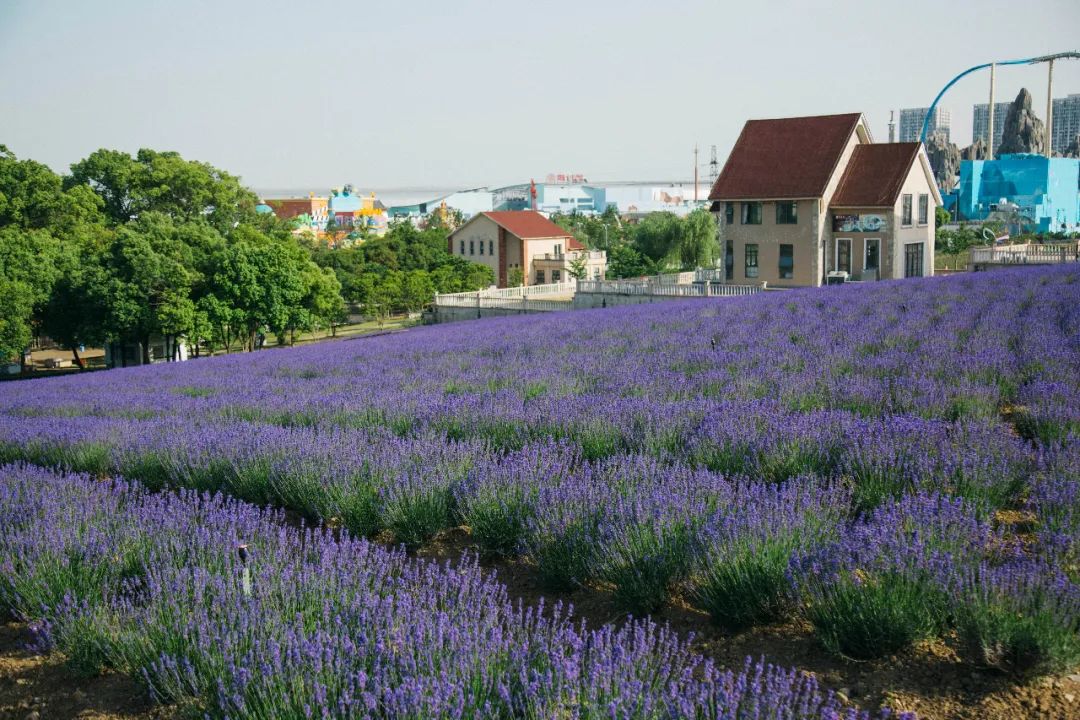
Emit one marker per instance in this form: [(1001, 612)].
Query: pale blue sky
[(391, 94)]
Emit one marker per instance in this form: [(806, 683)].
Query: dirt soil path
[(42, 687)]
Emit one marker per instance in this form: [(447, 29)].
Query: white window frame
[(836, 253), (866, 244), (911, 218), (919, 219)]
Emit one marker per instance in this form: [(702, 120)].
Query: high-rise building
[(911, 122), (981, 119), (1066, 122)]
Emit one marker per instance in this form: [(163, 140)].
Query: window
[(491, 247), (843, 254), (729, 213), (729, 258), (481, 247), (787, 213), (472, 247), (787, 262), (751, 213), (873, 251), (539, 277), (751, 269), (596, 273), (556, 276), (462, 246), (913, 260), (558, 249), (905, 214), (924, 209)]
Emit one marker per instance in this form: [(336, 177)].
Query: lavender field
[(892, 464)]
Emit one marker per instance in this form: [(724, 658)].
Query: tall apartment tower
[(981, 119), (911, 122), (1066, 122)]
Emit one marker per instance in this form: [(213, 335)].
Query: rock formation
[(1023, 132), (975, 151), (1073, 150), (944, 159)]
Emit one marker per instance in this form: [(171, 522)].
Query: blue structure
[(1044, 191)]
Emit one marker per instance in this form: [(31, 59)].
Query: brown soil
[(43, 687)]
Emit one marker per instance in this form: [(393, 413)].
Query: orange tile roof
[(528, 224)]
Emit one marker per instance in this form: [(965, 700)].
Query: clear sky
[(464, 93)]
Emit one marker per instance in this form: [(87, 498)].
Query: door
[(843, 254), (871, 258), (913, 260)]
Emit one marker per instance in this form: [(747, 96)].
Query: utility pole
[(695, 173), (1049, 107), (990, 116), (714, 167)]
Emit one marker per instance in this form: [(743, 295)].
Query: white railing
[(1027, 253), (559, 288), (636, 287), (572, 255), (525, 304), (679, 278)]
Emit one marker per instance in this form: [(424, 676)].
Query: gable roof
[(875, 175), (526, 224), (784, 157)]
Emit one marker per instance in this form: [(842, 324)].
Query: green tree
[(166, 183), (658, 237), (941, 216), (698, 243), (417, 290), (515, 278), (624, 261), (579, 266)]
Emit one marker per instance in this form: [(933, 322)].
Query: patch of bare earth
[(43, 687)]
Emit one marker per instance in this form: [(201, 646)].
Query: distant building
[(312, 212), (1066, 123), (467, 202), (911, 123), (1035, 192), (981, 119), (355, 212), (800, 198), (527, 241)]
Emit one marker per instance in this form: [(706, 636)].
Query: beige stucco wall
[(802, 236), (479, 229), (915, 184)]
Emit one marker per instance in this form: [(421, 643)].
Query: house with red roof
[(526, 241), (804, 199)]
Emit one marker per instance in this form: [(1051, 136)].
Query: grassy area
[(952, 262), (342, 331)]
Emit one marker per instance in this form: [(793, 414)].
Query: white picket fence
[(1026, 253), (637, 287)]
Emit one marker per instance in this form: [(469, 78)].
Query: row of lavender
[(746, 551), (947, 348), (625, 448), (303, 624)]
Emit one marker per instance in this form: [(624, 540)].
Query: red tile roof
[(527, 224), (784, 158), (875, 174)]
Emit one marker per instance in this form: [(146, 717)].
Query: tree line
[(126, 247), (660, 242)]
